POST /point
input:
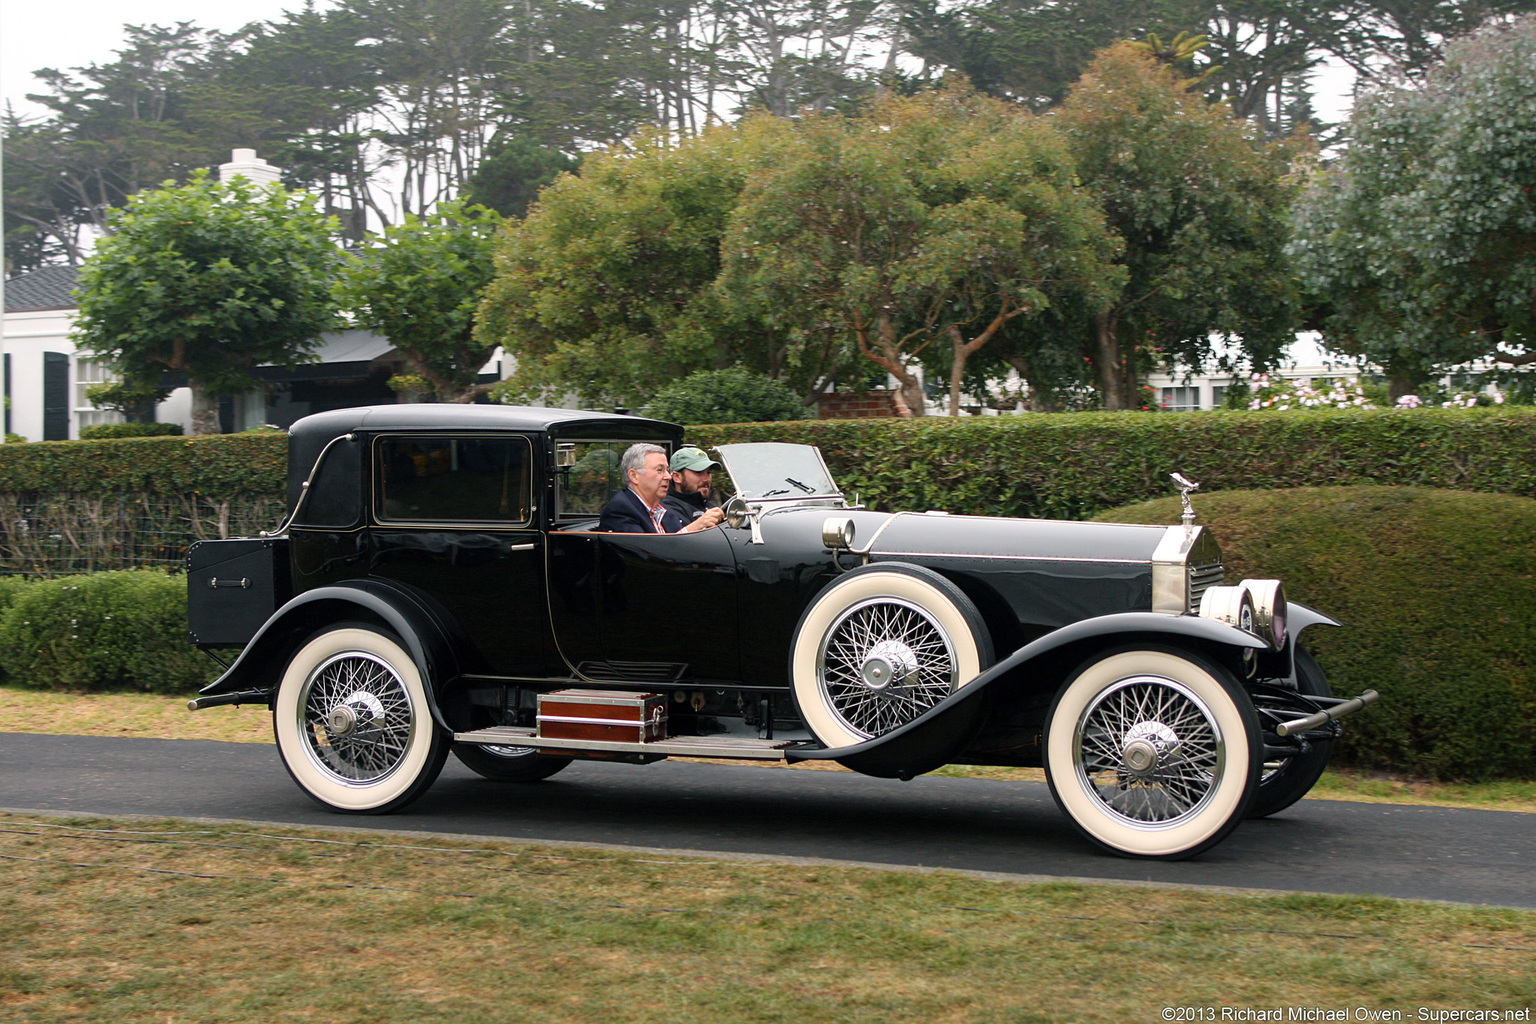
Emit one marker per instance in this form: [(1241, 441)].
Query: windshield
[(771, 470)]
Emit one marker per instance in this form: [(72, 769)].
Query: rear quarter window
[(435, 479)]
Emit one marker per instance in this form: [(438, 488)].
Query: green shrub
[(104, 631), (226, 465), (11, 587), (734, 395), (102, 431), (1075, 465), (1437, 594)]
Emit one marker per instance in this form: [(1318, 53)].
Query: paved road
[(1012, 827)]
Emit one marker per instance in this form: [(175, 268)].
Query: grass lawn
[(159, 717), (127, 921)]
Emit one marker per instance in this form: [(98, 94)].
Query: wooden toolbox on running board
[(602, 715)]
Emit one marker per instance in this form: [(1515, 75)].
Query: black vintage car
[(439, 585)]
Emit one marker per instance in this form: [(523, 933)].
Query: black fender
[(1282, 664), (426, 637), (929, 740), (1299, 617)]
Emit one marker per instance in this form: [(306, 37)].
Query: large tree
[(419, 284), (927, 224), (606, 290), (209, 280), (1201, 206), (1422, 240), (113, 129), (1260, 55), (303, 91)]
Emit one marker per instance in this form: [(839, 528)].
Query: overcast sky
[(73, 33)]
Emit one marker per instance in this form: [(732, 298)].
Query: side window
[(586, 486), (452, 479), (335, 493)]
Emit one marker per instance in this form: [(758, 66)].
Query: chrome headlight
[(1232, 605), (1269, 611), (837, 532)]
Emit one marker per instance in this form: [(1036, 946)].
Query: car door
[(454, 518), (643, 607)]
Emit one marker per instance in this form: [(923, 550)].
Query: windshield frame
[(745, 462)]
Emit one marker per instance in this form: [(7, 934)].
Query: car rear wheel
[(353, 725), (881, 646), (1282, 783), (501, 763), (1153, 753)]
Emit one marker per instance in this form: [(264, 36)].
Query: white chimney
[(246, 164)]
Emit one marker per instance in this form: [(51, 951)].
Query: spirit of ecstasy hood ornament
[(1185, 486)]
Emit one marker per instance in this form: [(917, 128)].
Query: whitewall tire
[(881, 646), (353, 725), (1153, 753)]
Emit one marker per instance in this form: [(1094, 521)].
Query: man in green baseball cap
[(691, 482)]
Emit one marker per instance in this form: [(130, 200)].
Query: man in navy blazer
[(638, 508)]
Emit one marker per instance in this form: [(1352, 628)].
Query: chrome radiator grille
[(1201, 579)]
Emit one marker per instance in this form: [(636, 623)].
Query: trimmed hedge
[(101, 431), (1075, 465), (219, 464), (1066, 466), (103, 631), (1437, 594)]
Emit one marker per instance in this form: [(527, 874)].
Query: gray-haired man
[(638, 508)]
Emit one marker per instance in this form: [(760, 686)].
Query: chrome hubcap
[(1146, 745), (889, 663), (360, 711)]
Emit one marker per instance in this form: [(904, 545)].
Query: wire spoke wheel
[(358, 717), (883, 663), (1153, 752), (1150, 751), (353, 724), (1288, 780), (881, 646), (503, 763)]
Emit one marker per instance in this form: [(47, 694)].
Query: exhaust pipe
[(1324, 717)]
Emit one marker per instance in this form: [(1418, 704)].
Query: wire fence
[(61, 534)]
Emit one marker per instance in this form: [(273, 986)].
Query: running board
[(673, 746)]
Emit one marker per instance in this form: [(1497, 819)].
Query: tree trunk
[(885, 352), (1110, 371), (205, 411), (963, 350), (911, 387)]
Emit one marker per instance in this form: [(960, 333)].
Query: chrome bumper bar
[(1339, 710)]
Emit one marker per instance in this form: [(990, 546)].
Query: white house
[(46, 379)]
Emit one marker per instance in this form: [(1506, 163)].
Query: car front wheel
[(1153, 753), (881, 646), (352, 722)]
